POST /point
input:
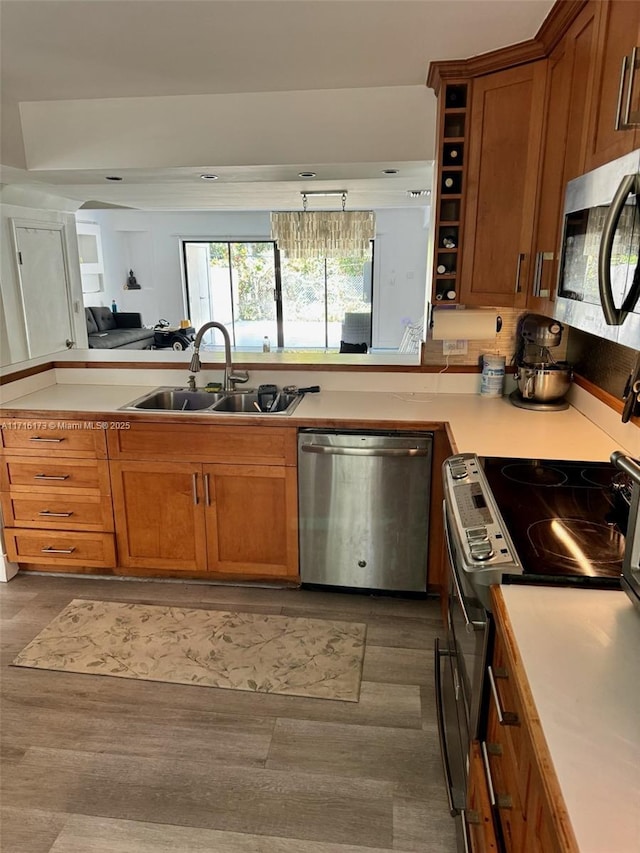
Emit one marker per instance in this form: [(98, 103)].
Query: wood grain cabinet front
[(570, 71), (232, 519), (56, 495), (531, 815), (615, 115), (507, 110)]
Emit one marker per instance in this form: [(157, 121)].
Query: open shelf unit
[(453, 130)]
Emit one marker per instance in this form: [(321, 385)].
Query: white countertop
[(486, 426), (581, 652)]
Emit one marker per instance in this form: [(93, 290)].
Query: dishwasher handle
[(328, 450)]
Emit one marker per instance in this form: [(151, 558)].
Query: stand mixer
[(542, 381)]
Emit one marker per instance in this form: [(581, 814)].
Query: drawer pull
[(49, 514), (502, 801), (47, 440), (505, 718), (51, 477), (57, 550), (207, 494), (194, 485), (467, 819)]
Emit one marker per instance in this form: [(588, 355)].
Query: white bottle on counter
[(493, 369), (266, 344)]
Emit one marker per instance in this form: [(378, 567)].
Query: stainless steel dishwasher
[(364, 508)]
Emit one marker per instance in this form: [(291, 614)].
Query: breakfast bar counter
[(486, 426)]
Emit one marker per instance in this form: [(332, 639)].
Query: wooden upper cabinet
[(618, 34), (569, 84), (507, 112)]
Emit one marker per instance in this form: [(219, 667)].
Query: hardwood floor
[(92, 764)]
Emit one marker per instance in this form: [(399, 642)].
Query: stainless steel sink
[(175, 400), (247, 403), (223, 402)]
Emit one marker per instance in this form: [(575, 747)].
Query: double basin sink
[(216, 402)]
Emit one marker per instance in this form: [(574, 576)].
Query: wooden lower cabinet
[(251, 513), (159, 515), (531, 815), (56, 495), (227, 520)]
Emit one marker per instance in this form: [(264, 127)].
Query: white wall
[(399, 273), (368, 125), (149, 243)]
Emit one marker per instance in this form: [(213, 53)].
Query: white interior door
[(44, 287)]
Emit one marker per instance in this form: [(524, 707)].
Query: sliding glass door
[(256, 293)]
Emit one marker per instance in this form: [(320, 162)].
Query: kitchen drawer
[(512, 731), (60, 547), (33, 437), (240, 445), (504, 783), (72, 476), (57, 511)]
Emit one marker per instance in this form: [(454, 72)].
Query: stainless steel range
[(513, 521)]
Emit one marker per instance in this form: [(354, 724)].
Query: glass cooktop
[(563, 518)]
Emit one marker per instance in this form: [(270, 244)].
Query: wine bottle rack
[(453, 128)]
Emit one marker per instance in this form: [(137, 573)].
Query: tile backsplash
[(502, 343), (602, 362)]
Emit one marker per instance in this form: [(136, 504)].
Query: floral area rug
[(237, 651)]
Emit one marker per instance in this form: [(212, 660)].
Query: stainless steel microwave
[(599, 279)]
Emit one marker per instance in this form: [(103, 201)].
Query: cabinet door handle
[(617, 124), (194, 485), (541, 257), (47, 440), (505, 718), (632, 73), (207, 496), (537, 275), (51, 477), (521, 257), (49, 514), (57, 550)]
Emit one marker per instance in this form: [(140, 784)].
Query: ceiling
[(91, 50)]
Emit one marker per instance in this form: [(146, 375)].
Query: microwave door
[(618, 267)]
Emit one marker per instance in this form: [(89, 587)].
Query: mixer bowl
[(544, 382)]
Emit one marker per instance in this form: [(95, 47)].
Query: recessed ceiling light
[(306, 174), (113, 178), (209, 177), (418, 193), (390, 171)]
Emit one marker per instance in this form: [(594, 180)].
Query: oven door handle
[(444, 752), (470, 625)]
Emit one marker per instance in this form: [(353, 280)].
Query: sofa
[(122, 330)]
